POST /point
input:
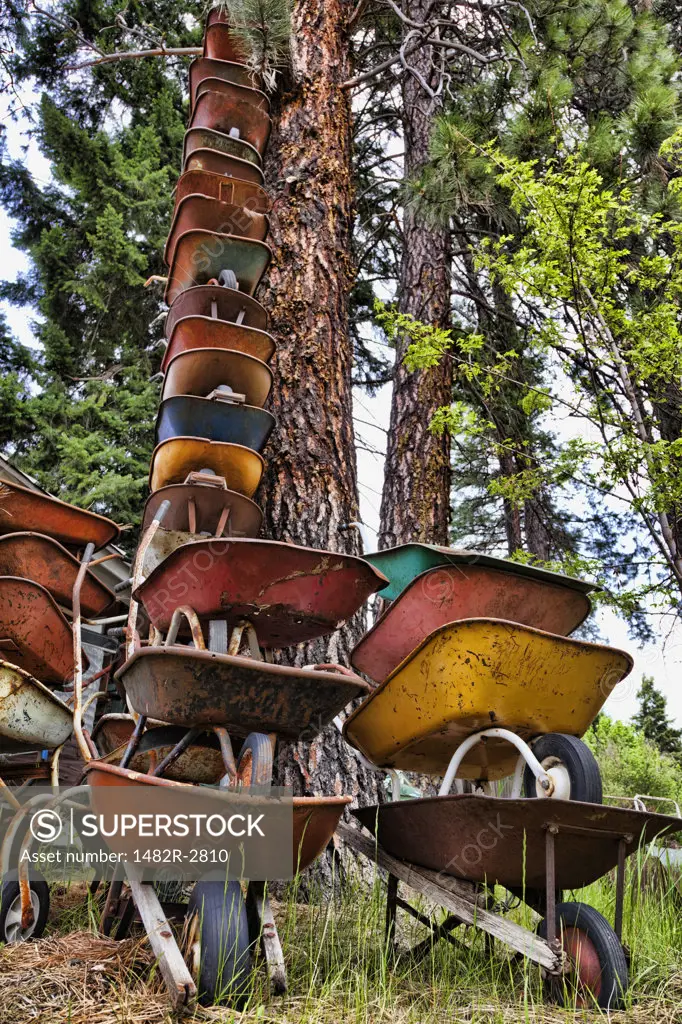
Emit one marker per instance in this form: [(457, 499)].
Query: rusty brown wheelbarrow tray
[(290, 594), (43, 560), (227, 108), (218, 303), (34, 633), (226, 70), (23, 509), (223, 187), (202, 332), (314, 817), (490, 839), (202, 213), (219, 42), (189, 687), (200, 257)]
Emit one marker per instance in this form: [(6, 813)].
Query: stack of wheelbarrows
[(478, 681), (209, 599), (41, 541)]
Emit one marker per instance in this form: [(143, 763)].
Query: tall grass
[(341, 971)]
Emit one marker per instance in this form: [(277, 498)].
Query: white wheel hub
[(558, 773)]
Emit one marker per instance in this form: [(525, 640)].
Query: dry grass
[(339, 973)]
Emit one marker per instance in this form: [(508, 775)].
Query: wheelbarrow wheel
[(11, 931), (570, 764), (254, 765), (219, 946), (599, 970)]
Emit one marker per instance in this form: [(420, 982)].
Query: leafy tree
[(652, 718), (630, 763), (607, 72)]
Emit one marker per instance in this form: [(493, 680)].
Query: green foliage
[(652, 719), (264, 29), (79, 409), (630, 763)]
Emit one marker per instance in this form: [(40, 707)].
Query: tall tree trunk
[(309, 491), (416, 494)]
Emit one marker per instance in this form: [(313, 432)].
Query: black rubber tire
[(612, 959), (579, 761), (9, 896), (226, 961), (255, 759)]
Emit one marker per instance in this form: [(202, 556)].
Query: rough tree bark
[(309, 491), (416, 493)]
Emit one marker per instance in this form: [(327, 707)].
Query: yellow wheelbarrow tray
[(474, 674)]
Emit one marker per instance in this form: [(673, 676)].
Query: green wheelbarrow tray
[(201, 256), (200, 138), (218, 303), (402, 563)]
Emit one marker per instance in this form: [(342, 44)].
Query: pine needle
[(263, 27)]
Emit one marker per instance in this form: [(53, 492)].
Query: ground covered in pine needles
[(339, 972)]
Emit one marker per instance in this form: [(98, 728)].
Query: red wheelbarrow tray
[(33, 632), (466, 591), (289, 593), (24, 509), (42, 559)]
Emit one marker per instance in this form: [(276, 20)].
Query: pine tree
[(652, 718)]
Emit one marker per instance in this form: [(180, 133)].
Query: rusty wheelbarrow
[(219, 42), (201, 140), (203, 370), (200, 213), (224, 940), (223, 187), (202, 257), (174, 460), (201, 332), (460, 589), (440, 845), (217, 418), (43, 560), (314, 817), (289, 594), (234, 110), (202, 158), (467, 702), (31, 717), (200, 763), (33, 632), (225, 70), (23, 509), (205, 506), (406, 561), (192, 688), (218, 303)]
